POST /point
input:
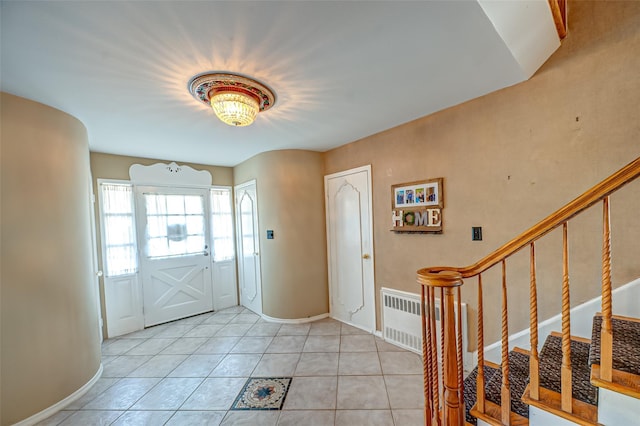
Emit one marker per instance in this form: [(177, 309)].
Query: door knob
[(366, 256)]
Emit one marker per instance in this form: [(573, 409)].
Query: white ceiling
[(341, 70)]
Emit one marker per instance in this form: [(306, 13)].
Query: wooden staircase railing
[(443, 374)]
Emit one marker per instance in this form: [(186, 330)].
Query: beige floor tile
[(312, 393), (236, 365), (219, 318), (204, 330), (93, 418), (169, 394), (286, 344), (408, 417), (307, 417), (294, 329), (99, 386), (405, 391), (151, 346), (245, 318), (251, 418), (124, 365), (144, 334), (196, 418), (254, 344), (120, 346), (358, 343), (122, 395), (57, 418), (234, 330), (197, 366), (263, 329), (184, 345), (387, 347), (143, 418), (325, 329), (215, 394), (218, 345), (364, 417), (322, 344), (317, 364), (158, 366), (280, 365), (174, 330), (359, 364), (362, 393), (400, 363), (348, 329)]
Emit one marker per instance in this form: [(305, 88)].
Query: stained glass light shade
[(235, 108)]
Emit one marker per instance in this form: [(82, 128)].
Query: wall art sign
[(417, 206)]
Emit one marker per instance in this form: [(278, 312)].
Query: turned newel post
[(452, 398)]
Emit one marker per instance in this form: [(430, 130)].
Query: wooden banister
[(450, 279), (614, 182)]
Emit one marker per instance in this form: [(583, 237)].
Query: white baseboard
[(48, 412), (624, 303), (294, 320)]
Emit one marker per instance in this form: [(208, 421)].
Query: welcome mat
[(262, 393)]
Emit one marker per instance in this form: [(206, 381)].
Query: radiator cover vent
[(401, 323)]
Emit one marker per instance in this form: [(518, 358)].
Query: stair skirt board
[(401, 324)]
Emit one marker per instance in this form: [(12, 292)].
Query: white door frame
[(257, 306), (369, 250)]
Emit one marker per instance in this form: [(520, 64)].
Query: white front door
[(248, 246), (175, 264), (350, 247)]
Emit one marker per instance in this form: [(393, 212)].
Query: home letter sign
[(417, 206)]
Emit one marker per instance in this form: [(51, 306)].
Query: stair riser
[(538, 417), (617, 409)]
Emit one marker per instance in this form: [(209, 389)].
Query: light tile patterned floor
[(189, 372)]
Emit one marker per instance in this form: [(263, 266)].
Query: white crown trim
[(169, 174)]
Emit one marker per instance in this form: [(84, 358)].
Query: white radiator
[(401, 323)]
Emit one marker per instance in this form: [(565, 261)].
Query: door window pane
[(222, 224), (175, 225), (119, 229)]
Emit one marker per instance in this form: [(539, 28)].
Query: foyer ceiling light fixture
[(235, 99)]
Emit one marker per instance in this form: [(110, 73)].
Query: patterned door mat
[(263, 393)]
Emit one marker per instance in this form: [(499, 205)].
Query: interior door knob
[(366, 256)]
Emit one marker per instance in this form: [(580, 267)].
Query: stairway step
[(518, 381), (470, 383), (626, 343), (551, 364)]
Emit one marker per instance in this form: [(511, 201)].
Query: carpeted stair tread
[(470, 390), (518, 380), (551, 364), (626, 344)]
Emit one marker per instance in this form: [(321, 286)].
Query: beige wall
[(290, 202), (511, 158), (109, 166), (50, 334)]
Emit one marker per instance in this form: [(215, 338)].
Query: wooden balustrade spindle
[(434, 361), (505, 391), (451, 413), (566, 386), (459, 352), (480, 378), (534, 369), (426, 355), (606, 332), (442, 327)]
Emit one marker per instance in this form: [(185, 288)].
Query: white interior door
[(350, 247), (175, 264), (248, 246)]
